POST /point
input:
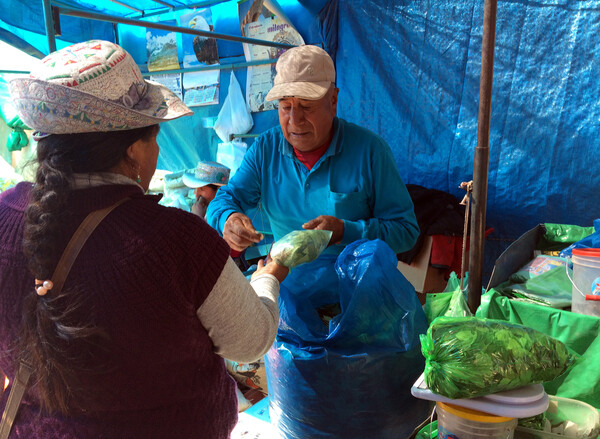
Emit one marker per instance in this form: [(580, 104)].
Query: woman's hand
[(271, 267)]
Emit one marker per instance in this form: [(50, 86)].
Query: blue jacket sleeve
[(393, 219), (241, 193)]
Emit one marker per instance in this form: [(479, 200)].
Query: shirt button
[(307, 185)]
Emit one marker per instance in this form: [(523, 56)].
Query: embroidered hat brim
[(56, 109)]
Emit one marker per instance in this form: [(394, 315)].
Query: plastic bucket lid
[(589, 252), (473, 415)]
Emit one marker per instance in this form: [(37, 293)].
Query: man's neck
[(310, 158)]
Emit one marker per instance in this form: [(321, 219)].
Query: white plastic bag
[(231, 154), (234, 117)]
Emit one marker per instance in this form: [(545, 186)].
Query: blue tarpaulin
[(410, 71)]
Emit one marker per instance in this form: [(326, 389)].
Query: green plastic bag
[(559, 236), (578, 332), (551, 288), (451, 302), (299, 247), (470, 356)]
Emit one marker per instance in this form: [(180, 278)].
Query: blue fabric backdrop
[(409, 70)]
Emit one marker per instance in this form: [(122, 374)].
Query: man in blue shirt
[(315, 171)]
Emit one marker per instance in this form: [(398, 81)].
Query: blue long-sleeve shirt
[(355, 180)]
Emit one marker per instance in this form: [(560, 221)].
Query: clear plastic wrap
[(299, 247)]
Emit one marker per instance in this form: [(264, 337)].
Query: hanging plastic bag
[(231, 154), (467, 357), (234, 117), (299, 247), (452, 302)]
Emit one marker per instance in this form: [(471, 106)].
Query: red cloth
[(446, 252)]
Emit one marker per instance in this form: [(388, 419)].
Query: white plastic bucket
[(463, 423), (586, 281)]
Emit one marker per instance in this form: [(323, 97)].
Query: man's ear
[(334, 100)]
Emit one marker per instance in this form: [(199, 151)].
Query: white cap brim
[(311, 91)]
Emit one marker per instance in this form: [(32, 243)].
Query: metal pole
[(184, 30), (481, 158), (49, 25), (125, 5), (170, 6), (212, 67)]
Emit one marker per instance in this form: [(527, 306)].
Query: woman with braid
[(132, 344)]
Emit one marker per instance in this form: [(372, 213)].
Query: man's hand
[(327, 222), (239, 232)]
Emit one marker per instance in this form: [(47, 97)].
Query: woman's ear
[(133, 151)]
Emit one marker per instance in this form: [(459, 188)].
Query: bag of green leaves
[(300, 246), (467, 357)]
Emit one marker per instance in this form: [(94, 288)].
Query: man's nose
[(296, 115)]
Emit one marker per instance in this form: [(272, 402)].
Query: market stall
[(418, 86)]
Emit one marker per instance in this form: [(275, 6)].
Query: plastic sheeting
[(352, 378), (410, 71)]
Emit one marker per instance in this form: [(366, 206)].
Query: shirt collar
[(94, 179)]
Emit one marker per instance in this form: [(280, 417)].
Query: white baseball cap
[(304, 72)]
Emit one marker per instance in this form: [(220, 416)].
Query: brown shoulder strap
[(61, 272), (77, 241), (14, 399)]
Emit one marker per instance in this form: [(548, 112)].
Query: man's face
[(307, 125)]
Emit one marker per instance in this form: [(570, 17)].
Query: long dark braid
[(51, 340)]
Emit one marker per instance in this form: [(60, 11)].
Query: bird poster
[(200, 88)]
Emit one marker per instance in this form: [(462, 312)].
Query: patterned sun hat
[(91, 86), (206, 173)]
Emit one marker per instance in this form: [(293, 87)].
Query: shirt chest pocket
[(349, 206)]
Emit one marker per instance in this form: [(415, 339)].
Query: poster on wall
[(170, 80), (264, 20), (161, 49), (200, 88)]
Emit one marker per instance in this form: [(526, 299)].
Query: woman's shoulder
[(16, 197), (172, 221)]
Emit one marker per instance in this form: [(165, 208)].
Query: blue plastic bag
[(353, 378)]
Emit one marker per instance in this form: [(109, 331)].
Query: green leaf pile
[(300, 246), (470, 356)]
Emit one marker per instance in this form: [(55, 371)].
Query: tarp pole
[(481, 158), (183, 30), (49, 25)]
